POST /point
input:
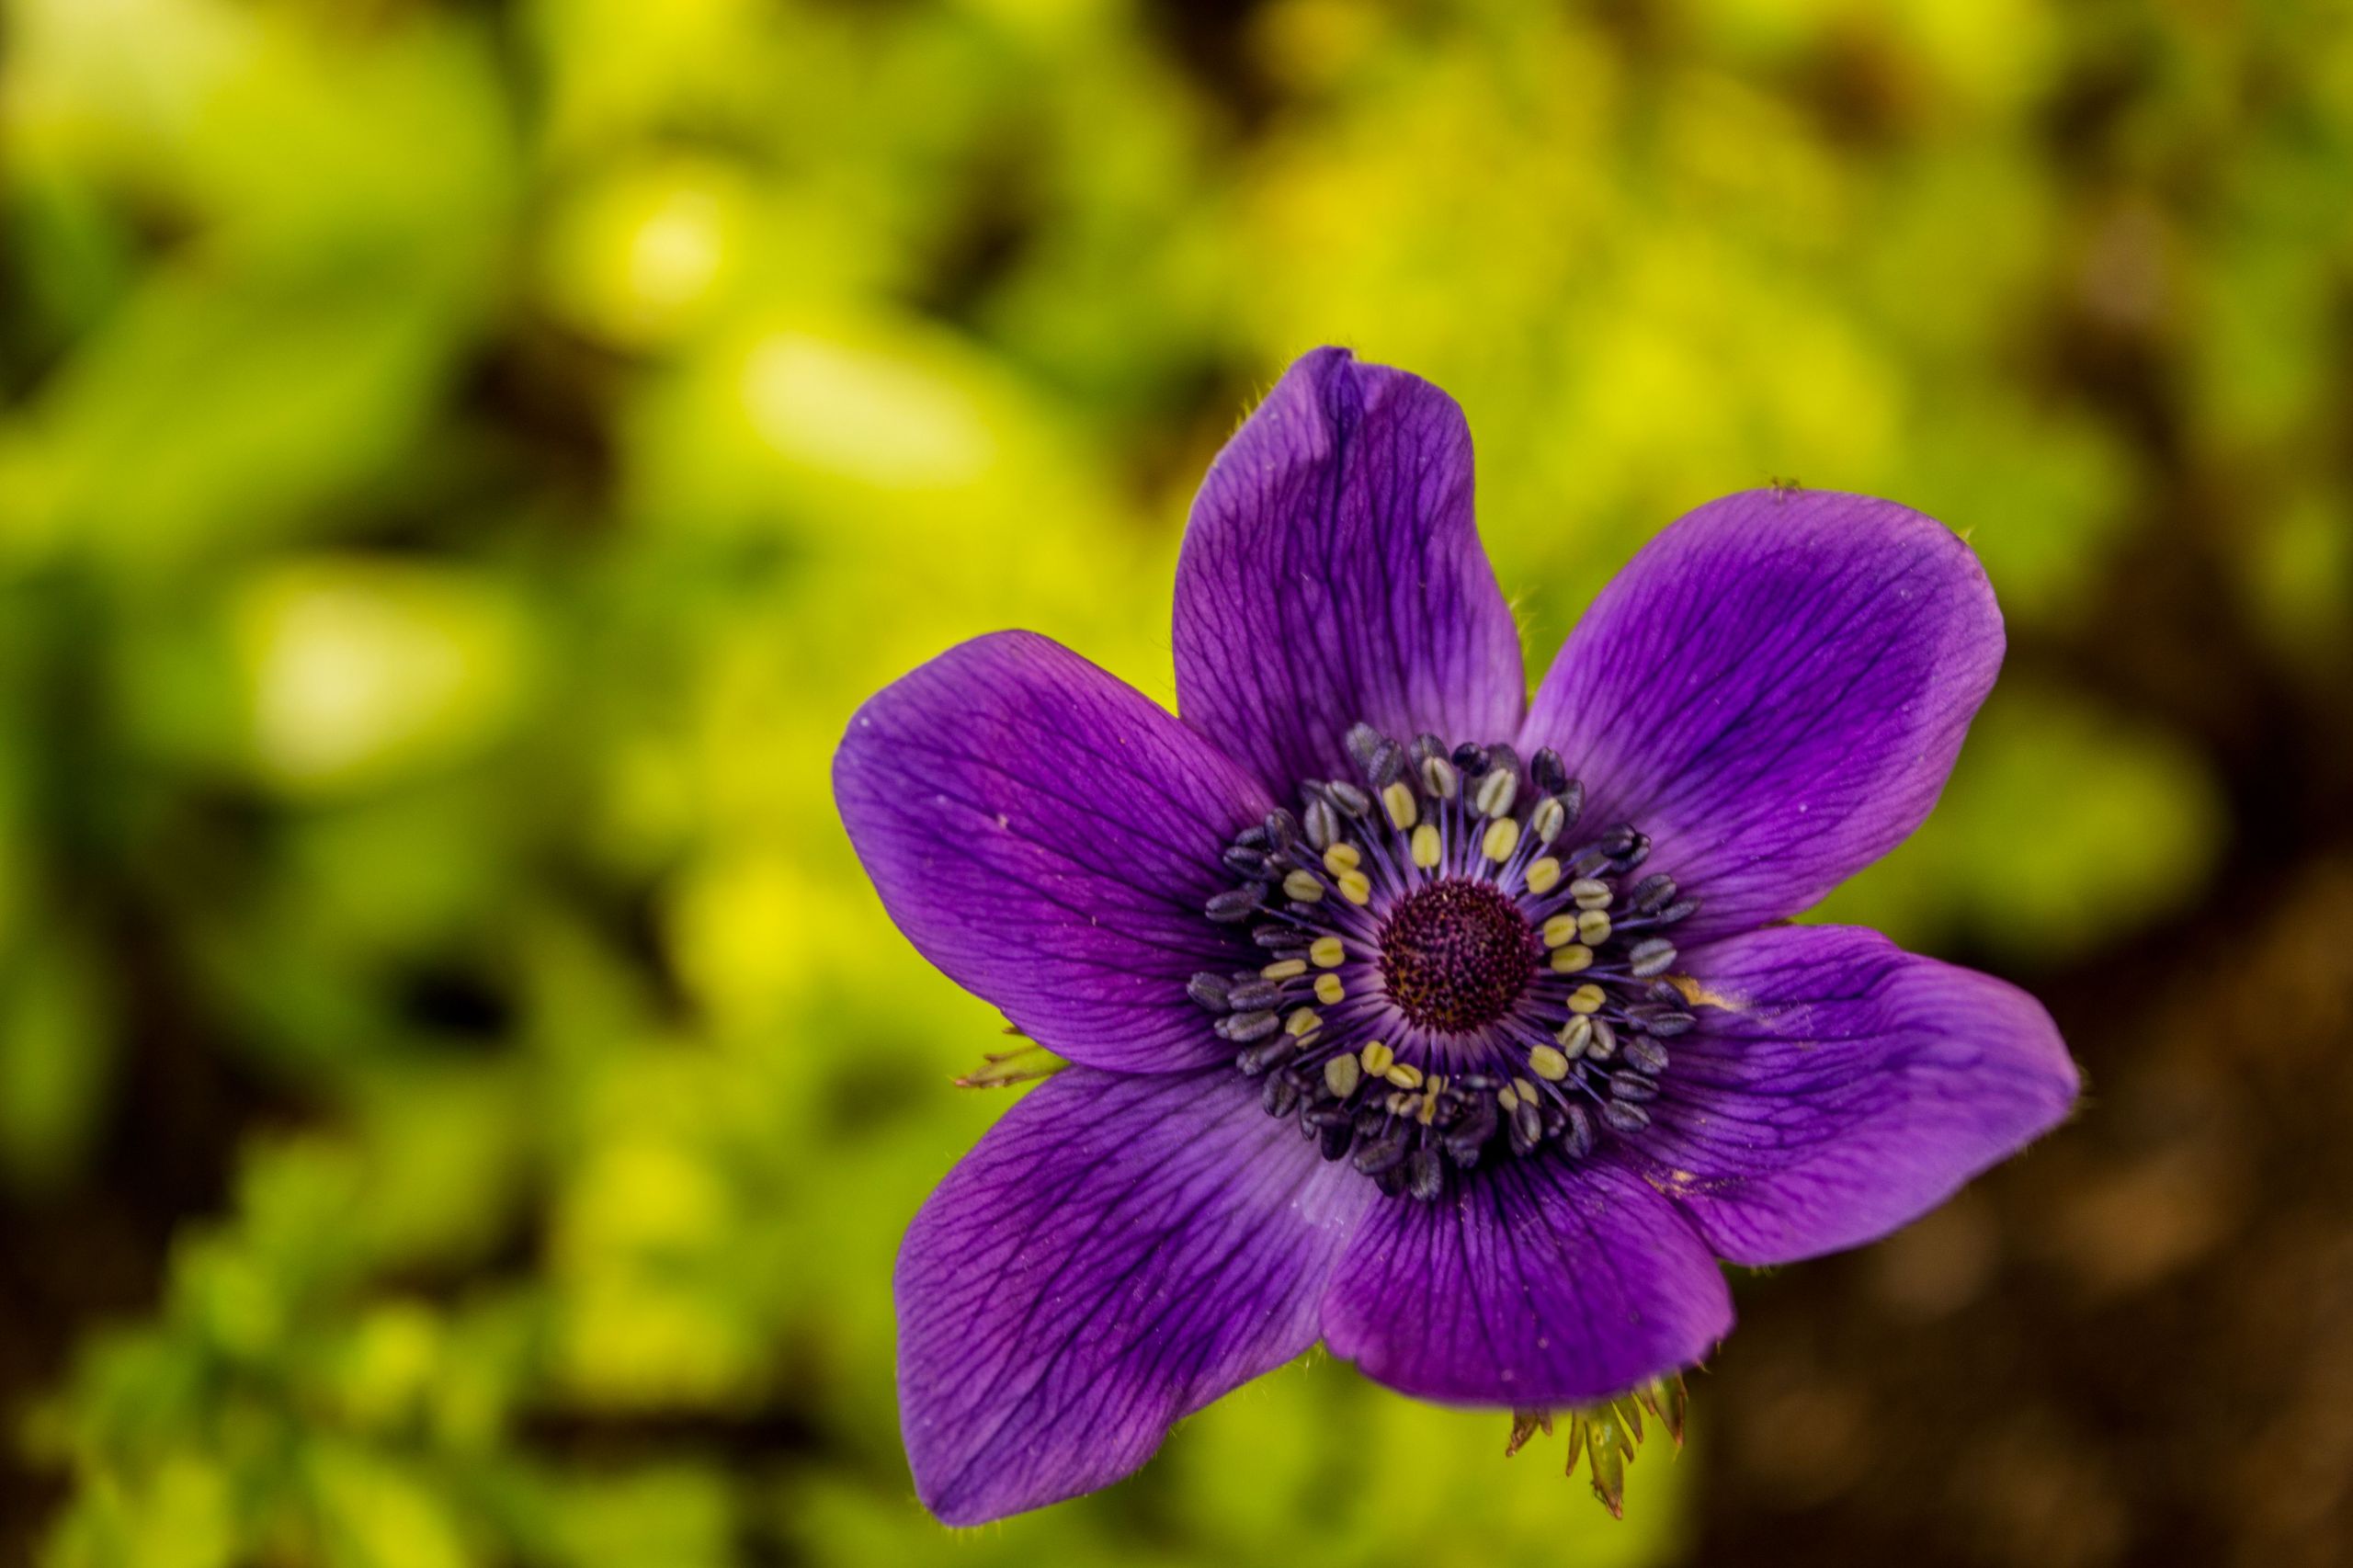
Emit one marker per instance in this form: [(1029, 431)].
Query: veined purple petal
[(1048, 837), (1118, 1252), (1774, 689), (1332, 574), (1532, 1282), (1849, 1088)]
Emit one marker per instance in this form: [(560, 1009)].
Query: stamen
[(1242, 1028), (1497, 791), (1398, 801), (1502, 838), (1252, 995), (1265, 1057), (1234, 905), (1652, 895), (1546, 769), (1629, 1086), (1324, 825), (1326, 952), (1244, 861), (1647, 1054), (1304, 887), (1623, 1117)]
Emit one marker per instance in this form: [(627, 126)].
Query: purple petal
[(1851, 1088), (1116, 1253), (1774, 689), (1048, 837), (1332, 574), (1531, 1282)]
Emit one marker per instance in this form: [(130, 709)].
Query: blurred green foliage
[(461, 466)]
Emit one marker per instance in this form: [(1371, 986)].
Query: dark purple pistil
[(1456, 955)]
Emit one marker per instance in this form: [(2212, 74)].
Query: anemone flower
[(1461, 1031)]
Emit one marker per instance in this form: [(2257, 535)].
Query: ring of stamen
[(1444, 972)]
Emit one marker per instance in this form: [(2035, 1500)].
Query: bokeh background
[(460, 464)]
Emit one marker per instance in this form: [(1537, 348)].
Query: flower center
[(1457, 954), (1434, 969)]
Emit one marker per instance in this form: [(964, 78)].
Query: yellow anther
[(1329, 989), (1594, 926), (1560, 930), (1502, 838), (1586, 999), (1303, 1021), (1397, 800), (1341, 1076), (1303, 885), (1590, 893), (1326, 952), (1548, 1063), (1506, 1098), (1574, 1036), (1342, 857), (1284, 969), (1404, 1075), (1355, 886), (1427, 844), (1426, 1111), (1527, 1092), (1571, 959), (1496, 793), (1543, 875), (1375, 1058)]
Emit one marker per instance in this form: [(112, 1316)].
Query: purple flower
[(1458, 1031)]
